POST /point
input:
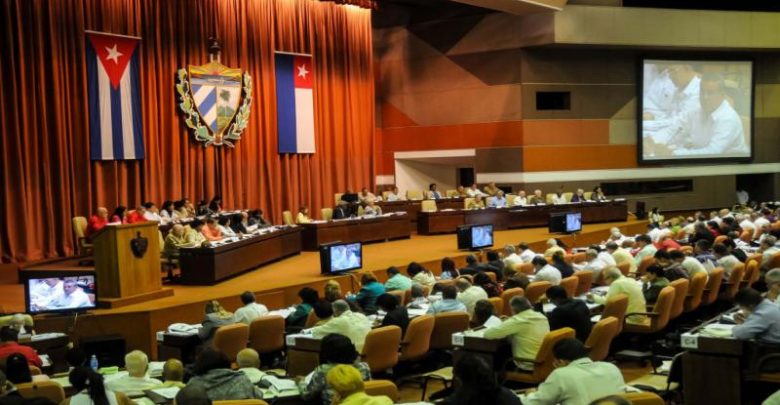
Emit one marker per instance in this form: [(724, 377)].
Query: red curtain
[(46, 172)]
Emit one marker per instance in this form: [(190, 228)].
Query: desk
[(303, 354), (494, 351), (178, 346), (411, 208), (208, 266), (56, 347), (518, 217), (365, 229)]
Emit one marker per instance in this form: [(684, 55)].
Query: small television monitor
[(474, 237), (60, 293), (565, 222), (336, 258)]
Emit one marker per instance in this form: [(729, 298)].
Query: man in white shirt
[(621, 255), (474, 191), (725, 259), (558, 197), (526, 254), (768, 250), (251, 310), (136, 380), (654, 232), (597, 262), (511, 258), (688, 263), (46, 291), (545, 272), (646, 249), (73, 296), (520, 199), (393, 195), (365, 196), (249, 363), (469, 294), (152, 213), (353, 325)]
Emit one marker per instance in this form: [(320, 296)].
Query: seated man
[(768, 250), (175, 240), (537, 198), (394, 195), (558, 197), (249, 363), (546, 272), (137, 215), (491, 189), (689, 264), (569, 312), (579, 196), (251, 309), (303, 216), (353, 325), (469, 294), (619, 284), (511, 258), (97, 221), (499, 201), (552, 247), (725, 259), (341, 210), (596, 262), (448, 303), (173, 373), (525, 329), (474, 191), (476, 203), (418, 297), (193, 233), (654, 281), (9, 338), (396, 280), (759, 318), (520, 199), (366, 196), (136, 380), (621, 255), (646, 248), (672, 269), (576, 378), (73, 296)]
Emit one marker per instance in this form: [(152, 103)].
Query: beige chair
[(444, 325), (417, 339), (695, 292), (327, 214), (658, 318), (385, 194), (467, 201), (587, 195), (600, 338), (361, 211), (510, 200), (498, 305), (536, 289), (624, 268), (288, 218), (337, 198), (400, 295), (50, 390), (311, 320), (526, 268), (567, 195), (382, 388), (585, 278), (266, 334), (428, 206), (543, 363), (549, 198), (570, 285), (733, 284), (579, 257), (616, 307), (240, 402), (506, 296), (231, 339), (643, 265), (452, 193), (752, 273), (414, 195), (713, 287), (380, 350), (80, 230), (642, 398), (680, 292)]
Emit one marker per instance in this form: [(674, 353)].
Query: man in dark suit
[(568, 312), (472, 266), (341, 211), (495, 264)]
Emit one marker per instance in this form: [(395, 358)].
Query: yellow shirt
[(361, 398), (474, 204), (194, 238), (526, 331), (302, 218), (636, 300), (173, 243), (551, 251), (621, 256)]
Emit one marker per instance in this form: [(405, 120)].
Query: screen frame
[(693, 57), (59, 274), (326, 263), (471, 236)]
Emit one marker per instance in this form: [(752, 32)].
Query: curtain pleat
[(46, 172)]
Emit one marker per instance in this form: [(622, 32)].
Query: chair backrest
[(498, 305), (414, 194), (662, 307), (510, 200), (579, 257), (624, 267), (491, 276), (567, 195), (752, 273), (400, 295), (543, 365), (327, 214), (746, 235), (734, 280), (506, 296), (417, 339), (643, 265), (568, 258), (720, 239), (587, 195), (231, 339), (337, 198), (584, 281), (695, 292), (643, 398), (601, 338), (361, 210), (444, 325), (382, 387), (713, 286), (570, 285), (680, 292), (616, 307), (525, 268), (311, 320), (536, 289), (549, 198), (79, 226), (467, 201), (50, 390), (266, 334), (774, 262), (380, 350), (452, 193), (428, 206), (288, 218), (442, 283), (34, 370)]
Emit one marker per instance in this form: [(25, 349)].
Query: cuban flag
[(114, 97), (294, 103)]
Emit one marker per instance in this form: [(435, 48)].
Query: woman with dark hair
[(212, 372), (119, 215), (476, 383), (309, 297), (370, 290), (215, 205), (202, 208), (420, 274), (256, 218), (239, 223), (395, 314), (17, 370), (483, 280), (166, 211), (90, 389), (223, 223), (324, 311), (180, 210), (597, 194), (335, 349), (448, 270), (484, 315), (559, 262)]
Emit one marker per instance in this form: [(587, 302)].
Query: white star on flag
[(113, 54), (302, 72)]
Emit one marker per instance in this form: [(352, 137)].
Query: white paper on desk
[(475, 333), (595, 318), (167, 392), (719, 330), (284, 312), (45, 360), (46, 336), (417, 311), (492, 321), (156, 368), (280, 384)]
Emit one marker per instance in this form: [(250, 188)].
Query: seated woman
[(484, 315), (483, 280), (333, 291), (224, 227), (371, 290), (303, 215), (448, 269), (559, 262), (212, 372), (215, 317), (420, 274), (211, 231), (90, 389), (297, 320), (347, 386), (335, 349)]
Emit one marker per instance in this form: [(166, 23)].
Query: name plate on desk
[(457, 339), (290, 339), (689, 341)]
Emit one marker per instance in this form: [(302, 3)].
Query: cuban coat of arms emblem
[(215, 100)]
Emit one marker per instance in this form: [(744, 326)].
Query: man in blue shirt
[(396, 280), (759, 319), (499, 201), (449, 303)]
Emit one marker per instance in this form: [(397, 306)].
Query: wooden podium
[(127, 264)]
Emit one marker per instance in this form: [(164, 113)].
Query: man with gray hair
[(136, 380), (417, 293), (619, 284), (353, 325), (552, 247), (249, 363), (772, 279), (768, 250), (511, 258), (621, 255), (525, 330), (469, 294)]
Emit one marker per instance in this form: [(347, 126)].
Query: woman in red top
[(119, 215)]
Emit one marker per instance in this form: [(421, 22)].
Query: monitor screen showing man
[(345, 257), (60, 294), (696, 110)]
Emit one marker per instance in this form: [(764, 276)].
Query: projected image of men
[(73, 297)]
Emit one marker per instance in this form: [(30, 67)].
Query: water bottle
[(93, 363)]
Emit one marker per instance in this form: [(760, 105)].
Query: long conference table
[(363, 229), (447, 221), (210, 265)]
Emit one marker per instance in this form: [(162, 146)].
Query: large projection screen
[(693, 110)]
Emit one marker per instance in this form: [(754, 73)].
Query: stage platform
[(276, 285)]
